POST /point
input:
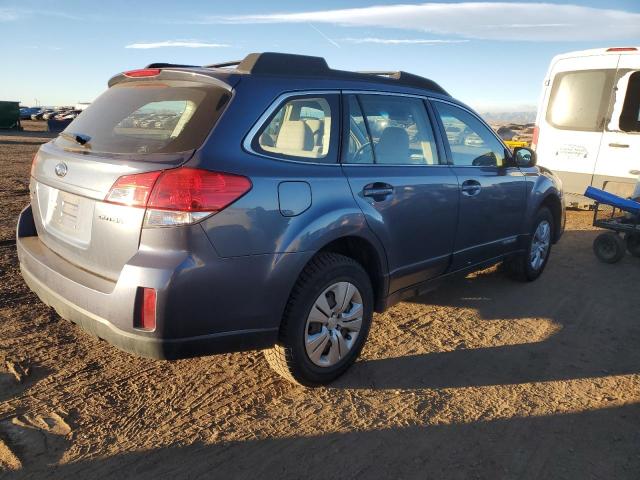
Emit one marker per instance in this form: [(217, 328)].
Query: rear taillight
[(178, 196), (534, 140), (143, 72), (147, 310)]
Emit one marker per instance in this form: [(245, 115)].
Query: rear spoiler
[(166, 71)]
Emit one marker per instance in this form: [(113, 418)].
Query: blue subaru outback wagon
[(272, 203)]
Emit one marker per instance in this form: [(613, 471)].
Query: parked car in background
[(26, 112), (67, 115), (287, 204), (588, 124), (38, 115)]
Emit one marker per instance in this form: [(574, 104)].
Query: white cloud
[(177, 43), (14, 14), (402, 41), (8, 15), (481, 20)]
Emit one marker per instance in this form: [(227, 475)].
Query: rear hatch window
[(147, 117), (134, 127)]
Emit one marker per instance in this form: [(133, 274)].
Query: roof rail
[(408, 79), (273, 63)]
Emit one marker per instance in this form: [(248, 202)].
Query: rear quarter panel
[(254, 224)]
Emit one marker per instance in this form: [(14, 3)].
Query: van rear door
[(620, 149), (572, 119)]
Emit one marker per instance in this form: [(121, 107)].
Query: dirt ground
[(483, 378)]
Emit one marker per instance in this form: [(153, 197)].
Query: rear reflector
[(144, 72), (622, 49), (178, 196), (147, 311)]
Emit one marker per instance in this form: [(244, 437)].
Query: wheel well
[(366, 255), (553, 204)]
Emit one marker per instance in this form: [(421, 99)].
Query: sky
[(491, 55)]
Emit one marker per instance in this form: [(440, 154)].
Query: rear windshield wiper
[(78, 138)]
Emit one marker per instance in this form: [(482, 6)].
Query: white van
[(588, 123)]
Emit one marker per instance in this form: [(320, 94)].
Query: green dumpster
[(9, 114)]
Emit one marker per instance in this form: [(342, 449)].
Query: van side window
[(300, 129), (400, 130), (579, 100), (472, 144), (630, 116)]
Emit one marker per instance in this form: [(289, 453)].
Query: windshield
[(147, 117)]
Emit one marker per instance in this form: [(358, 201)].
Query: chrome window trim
[(259, 124)]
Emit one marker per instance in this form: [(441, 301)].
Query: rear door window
[(358, 148), (579, 100), (301, 128), (148, 117), (399, 129)]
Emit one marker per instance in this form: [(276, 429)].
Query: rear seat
[(305, 137), (317, 130)]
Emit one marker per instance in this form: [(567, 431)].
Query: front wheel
[(325, 323), (529, 265)]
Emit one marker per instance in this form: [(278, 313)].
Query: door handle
[(619, 145), (378, 191), (471, 188)]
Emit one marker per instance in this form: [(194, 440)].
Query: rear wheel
[(529, 265), (609, 247), (325, 323), (633, 243)]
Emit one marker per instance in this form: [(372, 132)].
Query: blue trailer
[(621, 216)]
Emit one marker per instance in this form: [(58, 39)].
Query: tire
[(522, 267), (633, 243), (609, 247), (324, 277)]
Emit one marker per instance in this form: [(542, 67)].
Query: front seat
[(393, 146)]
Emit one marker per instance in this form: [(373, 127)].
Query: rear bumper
[(205, 304), (150, 347)]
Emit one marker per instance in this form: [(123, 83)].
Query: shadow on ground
[(500, 449), (593, 339)]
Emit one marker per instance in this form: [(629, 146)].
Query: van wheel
[(529, 265), (325, 323), (633, 243), (609, 247)]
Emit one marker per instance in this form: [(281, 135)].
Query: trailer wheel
[(633, 243), (609, 247)]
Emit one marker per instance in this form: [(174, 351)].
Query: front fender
[(544, 188)]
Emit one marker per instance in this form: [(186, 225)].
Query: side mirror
[(525, 157)]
